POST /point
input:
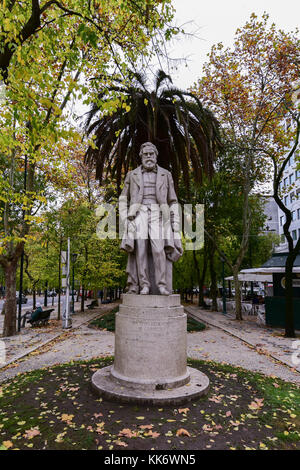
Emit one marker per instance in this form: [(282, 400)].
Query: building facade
[(271, 213), (290, 195)]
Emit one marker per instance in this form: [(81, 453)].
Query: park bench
[(41, 318), (92, 305)]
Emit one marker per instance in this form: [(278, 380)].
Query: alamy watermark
[(163, 221), (2, 92), (2, 352), (296, 93), (296, 354)]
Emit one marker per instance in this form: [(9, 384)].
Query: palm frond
[(185, 133)]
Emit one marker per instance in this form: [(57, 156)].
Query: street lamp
[(74, 257)]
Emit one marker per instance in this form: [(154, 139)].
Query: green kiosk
[(275, 304)]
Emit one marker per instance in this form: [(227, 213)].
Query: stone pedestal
[(150, 354)]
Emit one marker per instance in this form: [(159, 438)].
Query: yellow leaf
[(65, 417), (7, 444)]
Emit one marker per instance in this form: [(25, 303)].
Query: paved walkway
[(22, 350), (245, 344), (225, 340)]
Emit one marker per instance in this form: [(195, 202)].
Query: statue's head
[(148, 154)]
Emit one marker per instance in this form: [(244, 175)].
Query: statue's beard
[(149, 166)]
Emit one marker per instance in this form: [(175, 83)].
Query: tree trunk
[(34, 298), (82, 298), (201, 301), (46, 295), (200, 277), (104, 293), (9, 328), (213, 277), (289, 306), (238, 300), (95, 295)]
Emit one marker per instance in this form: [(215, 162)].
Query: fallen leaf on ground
[(128, 433), (183, 410), (182, 432), (120, 443), (152, 434), (256, 404), (30, 433), (216, 399), (146, 426), (7, 444), (65, 417), (206, 427)]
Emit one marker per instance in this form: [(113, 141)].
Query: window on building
[(298, 213), (286, 200), (282, 219), (282, 238), (292, 198), (292, 160), (292, 178), (294, 234), (286, 182), (293, 215)]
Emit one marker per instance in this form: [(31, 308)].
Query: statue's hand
[(176, 227), (131, 226)]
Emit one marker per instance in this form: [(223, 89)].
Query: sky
[(216, 21)]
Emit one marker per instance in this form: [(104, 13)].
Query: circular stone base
[(104, 385)]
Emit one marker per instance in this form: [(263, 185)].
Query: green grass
[(107, 321), (194, 325), (283, 399), (57, 402)]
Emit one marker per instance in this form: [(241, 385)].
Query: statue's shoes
[(145, 291), (163, 291), (132, 290)]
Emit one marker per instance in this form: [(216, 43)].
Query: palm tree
[(185, 134)]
